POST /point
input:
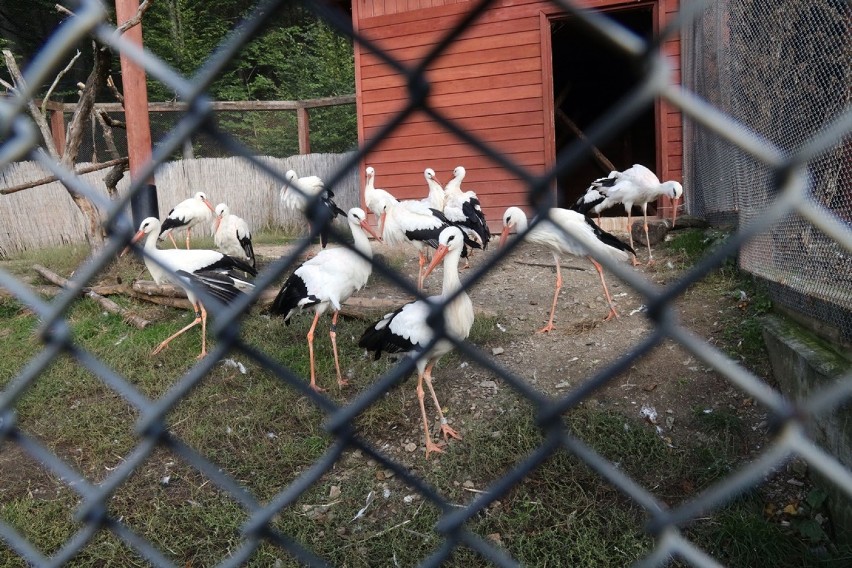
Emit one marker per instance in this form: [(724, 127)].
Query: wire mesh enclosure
[(738, 64), (767, 176)]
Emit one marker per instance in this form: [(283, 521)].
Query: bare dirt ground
[(517, 294), (666, 387)]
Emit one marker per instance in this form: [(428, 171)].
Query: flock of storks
[(449, 220)]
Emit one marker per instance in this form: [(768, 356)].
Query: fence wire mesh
[(789, 101), (795, 173)]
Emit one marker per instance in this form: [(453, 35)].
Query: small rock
[(468, 484), (495, 538), (563, 385), (488, 385), (410, 447), (497, 351), (657, 230)]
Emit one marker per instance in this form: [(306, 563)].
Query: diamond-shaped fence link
[(802, 177)]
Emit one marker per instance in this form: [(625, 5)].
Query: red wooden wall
[(494, 80)]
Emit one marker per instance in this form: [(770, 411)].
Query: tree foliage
[(296, 56)]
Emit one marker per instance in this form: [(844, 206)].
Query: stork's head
[(358, 217), (513, 218), (674, 190), (290, 175), (222, 210), (451, 239), (201, 196), (459, 172), (146, 227)]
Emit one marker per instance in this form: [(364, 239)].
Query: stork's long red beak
[(209, 206), (436, 259), (216, 226), (136, 238), (504, 235), (382, 222), (366, 227)]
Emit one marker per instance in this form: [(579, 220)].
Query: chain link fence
[(793, 180), (782, 69)]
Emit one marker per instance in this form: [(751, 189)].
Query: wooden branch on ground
[(105, 303), (49, 179), (547, 265)]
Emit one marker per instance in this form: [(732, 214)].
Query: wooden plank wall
[(490, 80)]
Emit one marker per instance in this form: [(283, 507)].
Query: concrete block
[(804, 364)]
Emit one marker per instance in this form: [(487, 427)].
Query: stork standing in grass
[(407, 330), (192, 270), (187, 214), (634, 186), (298, 193), (568, 232), (326, 281), (232, 236)]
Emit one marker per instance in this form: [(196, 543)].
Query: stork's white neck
[(361, 241)]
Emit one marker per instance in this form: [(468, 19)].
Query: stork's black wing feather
[(609, 238), (379, 337)]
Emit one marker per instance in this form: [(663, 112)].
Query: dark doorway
[(589, 77)]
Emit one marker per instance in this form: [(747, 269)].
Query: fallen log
[(105, 303)]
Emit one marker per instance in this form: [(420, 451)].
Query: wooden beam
[(304, 130), (179, 106), (49, 179)]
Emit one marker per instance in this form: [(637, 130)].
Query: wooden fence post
[(304, 130)]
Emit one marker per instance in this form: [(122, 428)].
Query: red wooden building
[(516, 78)]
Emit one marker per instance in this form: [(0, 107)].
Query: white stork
[(232, 236), (437, 197), (464, 208), (634, 186), (187, 214), (412, 222), (406, 330), (568, 232), (327, 280), (298, 192), (376, 199), (192, 270)]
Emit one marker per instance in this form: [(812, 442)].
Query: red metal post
[(143, 203), (57, 129)]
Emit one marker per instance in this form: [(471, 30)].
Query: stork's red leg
[(430, 445), (445, 428), (187, 238), (172, 238), (612, 312), (647, 240), (311, 352), (422, 261), (550, 326), (196, 321), (630, 235), (341, 382)]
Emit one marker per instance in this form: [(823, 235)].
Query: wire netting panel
[(782, 182), (783, 70)]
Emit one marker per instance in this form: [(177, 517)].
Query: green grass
[(262, 432)]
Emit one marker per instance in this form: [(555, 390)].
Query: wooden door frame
[(546, 18)]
